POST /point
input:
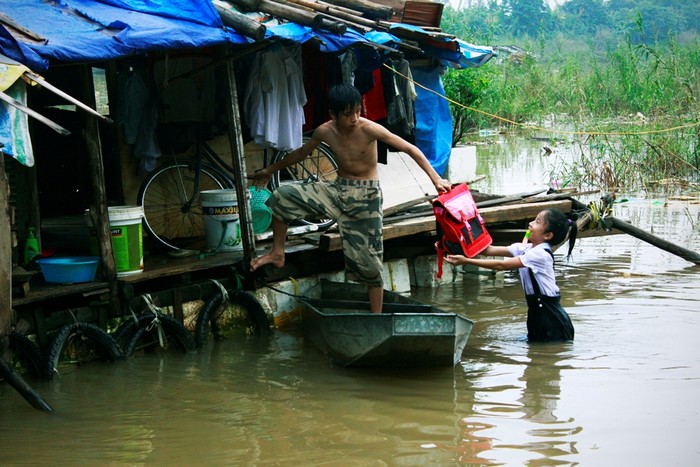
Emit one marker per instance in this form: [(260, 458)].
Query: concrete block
[(461, 166), (424, 272)]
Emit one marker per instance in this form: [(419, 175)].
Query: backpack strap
[(441, 257), (535, 284)]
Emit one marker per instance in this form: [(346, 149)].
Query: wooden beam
[(240, 22), (331, 241), (235, 138), (369, 9), (665, 245), (5, 253), (98, 204)]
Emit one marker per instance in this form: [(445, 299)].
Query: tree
[(526, 17)]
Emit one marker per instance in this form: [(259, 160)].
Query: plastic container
[(127, 238), (259, 212), (221, 220), (69, 269), (31, 246)]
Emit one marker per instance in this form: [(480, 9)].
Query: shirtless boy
[(354, 199)]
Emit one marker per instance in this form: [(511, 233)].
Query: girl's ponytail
[(573, 231)]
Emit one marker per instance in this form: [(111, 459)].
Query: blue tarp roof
[(84, 30)]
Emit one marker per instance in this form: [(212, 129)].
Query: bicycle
[(170, 195)]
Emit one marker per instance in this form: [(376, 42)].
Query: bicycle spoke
[(320, 165), (172, 204)]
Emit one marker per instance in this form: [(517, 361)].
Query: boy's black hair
[(342, 97), (559, 225)]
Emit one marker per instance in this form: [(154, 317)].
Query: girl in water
[(547, 321)]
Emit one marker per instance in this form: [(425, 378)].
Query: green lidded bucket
[(127, 238)]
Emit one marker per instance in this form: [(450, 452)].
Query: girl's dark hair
[(342, 97), (559, 225)]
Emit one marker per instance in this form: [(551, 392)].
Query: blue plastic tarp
[(83, 30), (433, 118)]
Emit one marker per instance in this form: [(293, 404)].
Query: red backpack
[(460, 228)]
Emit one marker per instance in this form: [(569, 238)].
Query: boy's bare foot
[(270, 258)]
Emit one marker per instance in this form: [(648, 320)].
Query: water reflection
[(626, 392)]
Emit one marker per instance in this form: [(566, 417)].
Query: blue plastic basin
[(69, 269)]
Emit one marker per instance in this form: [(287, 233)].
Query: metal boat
[(336, 317)]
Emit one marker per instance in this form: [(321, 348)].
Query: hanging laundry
[(137, 113), (274, 99), (14, 127), (400, 95), (14, 124)]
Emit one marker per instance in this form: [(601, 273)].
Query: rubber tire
[(256, 314), (107, 346), (27, 353), (175, 331)]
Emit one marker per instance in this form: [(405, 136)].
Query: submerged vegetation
[(624, 94)]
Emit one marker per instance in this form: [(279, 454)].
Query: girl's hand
[(457, 259)]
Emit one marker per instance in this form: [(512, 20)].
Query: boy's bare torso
[(354, 147)]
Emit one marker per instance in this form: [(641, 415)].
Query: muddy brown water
[(625, 392)]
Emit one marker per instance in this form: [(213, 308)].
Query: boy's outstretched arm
[(441, 185)]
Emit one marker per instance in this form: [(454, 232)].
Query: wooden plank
[(331, 241), (403, 181), (155, 268), (516, 212)]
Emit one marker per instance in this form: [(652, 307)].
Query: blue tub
[(69, 269)]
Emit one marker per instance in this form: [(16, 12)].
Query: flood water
[(625, 392)]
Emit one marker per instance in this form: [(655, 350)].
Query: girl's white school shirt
[(541, 263)]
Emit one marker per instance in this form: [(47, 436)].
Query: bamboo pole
[(30, 78)]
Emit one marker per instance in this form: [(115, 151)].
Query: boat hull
[(408, 333)]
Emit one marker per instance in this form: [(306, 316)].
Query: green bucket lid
[(262, 218), (258, 196)]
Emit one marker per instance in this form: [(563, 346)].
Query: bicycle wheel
[(319, 166), (172, 210)]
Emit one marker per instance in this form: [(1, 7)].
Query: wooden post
[(6, 372), (5, 253), (98, 206), (235, 138)]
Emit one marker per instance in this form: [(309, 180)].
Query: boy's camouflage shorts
[(357, 207)]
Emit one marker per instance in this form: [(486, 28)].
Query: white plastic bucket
[(221, 220), (127, 238)]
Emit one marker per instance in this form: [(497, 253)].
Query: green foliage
[(610, 67), (465, 88)]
